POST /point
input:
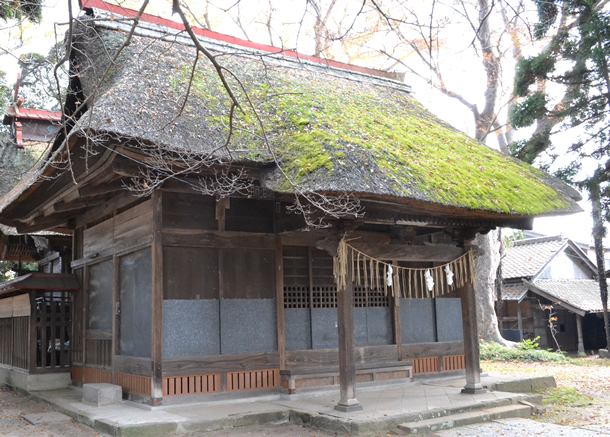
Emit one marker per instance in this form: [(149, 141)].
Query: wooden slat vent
[(77, 374), (453, 362), (133, 383), (253, 380), (191, 384), (424, 365), (97, 376)]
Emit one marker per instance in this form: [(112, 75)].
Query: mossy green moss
[(314, 121)]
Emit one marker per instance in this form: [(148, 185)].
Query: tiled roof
[(579, 293), (527, 257), (513, 291)]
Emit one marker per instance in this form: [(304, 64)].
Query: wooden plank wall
[(128, 229)]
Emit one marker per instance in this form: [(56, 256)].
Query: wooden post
[(395, 302), (279, 281), (581, 345), (519, 317), (347, 365), (471, 341), (157, 302)]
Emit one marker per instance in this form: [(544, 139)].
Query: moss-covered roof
[(332, 134)]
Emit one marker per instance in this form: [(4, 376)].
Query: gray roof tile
[(580, 293), (527, 257)]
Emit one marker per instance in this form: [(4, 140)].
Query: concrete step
[(469, 418)]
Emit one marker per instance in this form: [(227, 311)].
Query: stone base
[(22, 379), (603, 353), (102, 394), (349, 405)]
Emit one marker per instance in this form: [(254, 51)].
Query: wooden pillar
[(279, 281), (471, 340), (157, 302), (396, 321), (347, 365), (581, 345)]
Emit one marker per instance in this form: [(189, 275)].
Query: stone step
[(469, 418)]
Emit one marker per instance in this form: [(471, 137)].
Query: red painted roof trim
[(121, 11), (36, 114)]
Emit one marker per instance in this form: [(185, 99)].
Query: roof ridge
[(540, 240), (178, 27)]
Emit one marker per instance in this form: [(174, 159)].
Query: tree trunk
[(486, 267), (598, 236)]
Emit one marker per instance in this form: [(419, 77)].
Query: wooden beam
[(347, 365), (44, 223), (76, 204), (401, 252), (228, 240), (126, 168), (97, 190), (300, 238), (222, 205), (118, 201)]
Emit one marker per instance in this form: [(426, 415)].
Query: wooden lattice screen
[(424, 365), (191, 384), (53, 327), (309, 282), (453, 362), (253, 380)]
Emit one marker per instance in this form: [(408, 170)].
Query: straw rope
[(406, 282)]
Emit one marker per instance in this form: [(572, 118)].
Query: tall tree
[(576, 62)]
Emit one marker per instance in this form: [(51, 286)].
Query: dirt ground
[(582, 396), (14, 406)]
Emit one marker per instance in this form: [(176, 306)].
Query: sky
[(39, 38)]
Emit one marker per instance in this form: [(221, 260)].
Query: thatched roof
[(331, 130), (355, 133)]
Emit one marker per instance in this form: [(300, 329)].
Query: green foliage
[(529, 70), (526, 352), (18, 9), (528, 150), (568, 173), (526, 112), (8, 269), (563, 396), (528, 344), (547, 13), (583, 45)]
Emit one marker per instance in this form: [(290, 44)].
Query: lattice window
[(296, 297), (378, 299), (324, 297), (360, 298)]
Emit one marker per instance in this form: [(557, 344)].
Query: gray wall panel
[(417, 320), (361, 336), (324, 327), (380, 326), (248, 326), (297, 325), (190, 328), (449, 319)]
